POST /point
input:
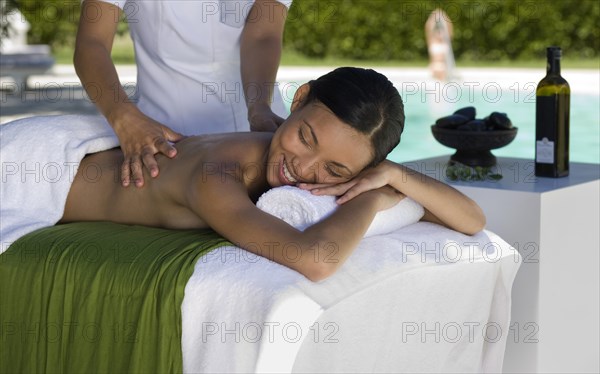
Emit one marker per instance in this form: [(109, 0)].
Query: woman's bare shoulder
[(231, 147), (240, 156)]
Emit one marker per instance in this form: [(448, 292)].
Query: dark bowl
[(473, 147)]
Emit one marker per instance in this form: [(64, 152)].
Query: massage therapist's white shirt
[(188, 61)]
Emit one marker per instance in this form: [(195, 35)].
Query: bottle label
[(544, 151)]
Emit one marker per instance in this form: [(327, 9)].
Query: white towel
[(301, 209), (40, 157), (274, 320)]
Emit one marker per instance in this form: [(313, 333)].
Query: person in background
[(438, 32), (204, 66)]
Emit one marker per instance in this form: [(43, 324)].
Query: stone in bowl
[(473, 147)]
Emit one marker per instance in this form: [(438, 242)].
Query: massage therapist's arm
[(140, 136), (223, 203), (260, 52)]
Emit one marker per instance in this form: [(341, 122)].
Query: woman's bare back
[(97, 195)]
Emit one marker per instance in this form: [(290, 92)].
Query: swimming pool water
[(511, 91), (422, 108)]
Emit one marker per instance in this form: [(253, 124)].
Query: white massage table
[(422, 299)]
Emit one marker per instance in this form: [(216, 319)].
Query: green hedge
[(52, 22), (483, 29), (394, 29)]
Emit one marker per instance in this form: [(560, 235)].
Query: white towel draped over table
[(419, 298)]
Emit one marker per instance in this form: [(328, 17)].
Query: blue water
[(423, 108)]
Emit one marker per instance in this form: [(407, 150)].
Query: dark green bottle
[(553, 97)]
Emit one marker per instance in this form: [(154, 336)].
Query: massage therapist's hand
[(368, 179), (262, 118), (141, 138)]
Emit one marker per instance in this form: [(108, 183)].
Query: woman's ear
[(300, 96)]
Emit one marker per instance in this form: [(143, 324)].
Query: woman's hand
[(262, 118), (368, 179), (141, 138)]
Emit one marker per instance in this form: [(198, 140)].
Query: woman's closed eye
[(302, 138), (332, 173)]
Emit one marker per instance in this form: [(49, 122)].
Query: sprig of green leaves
[(457, 171)]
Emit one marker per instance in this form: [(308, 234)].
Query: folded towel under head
[(301, 209)]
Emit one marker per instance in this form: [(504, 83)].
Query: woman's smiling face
[(314, 146)]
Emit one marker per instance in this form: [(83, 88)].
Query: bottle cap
[(554, 52)]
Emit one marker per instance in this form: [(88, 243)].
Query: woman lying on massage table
[(335, 141)]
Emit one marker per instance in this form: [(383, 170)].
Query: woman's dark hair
[(365, 100)]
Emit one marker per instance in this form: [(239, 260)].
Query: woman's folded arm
[(222, 201), (443, 204)]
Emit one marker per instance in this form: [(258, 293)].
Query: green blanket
[(96, 297)]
